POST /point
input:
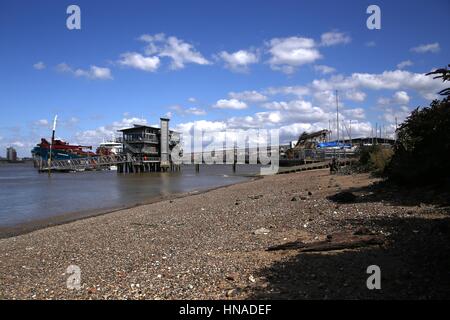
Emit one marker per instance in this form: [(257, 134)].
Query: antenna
[(337, 117), (51, 146)]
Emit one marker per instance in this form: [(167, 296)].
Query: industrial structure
[(151, 145), (11, 154), (141, 148)]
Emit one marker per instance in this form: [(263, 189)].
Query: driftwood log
[(336, 241)]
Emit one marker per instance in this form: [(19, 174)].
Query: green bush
[(374, 158), (422, 151)]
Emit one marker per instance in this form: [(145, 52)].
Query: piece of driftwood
[(336, 241)]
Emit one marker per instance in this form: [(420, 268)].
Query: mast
[(337, 117), (51, 144)]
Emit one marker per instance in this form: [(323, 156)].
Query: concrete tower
[(165, 163)]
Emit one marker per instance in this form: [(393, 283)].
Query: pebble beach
[(213, 245)]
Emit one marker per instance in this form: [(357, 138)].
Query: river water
[(27, 196)]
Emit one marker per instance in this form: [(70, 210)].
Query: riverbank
[(212, 246)]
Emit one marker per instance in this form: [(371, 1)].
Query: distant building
[(152, 144), (11, 154)]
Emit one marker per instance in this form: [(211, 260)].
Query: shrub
[(422, 150), (374, 158)]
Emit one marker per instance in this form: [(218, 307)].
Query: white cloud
[(192, 110), (333, 38), (138, 61), (370, 44), (424, 48), (401, 97), (179, 51), (230, 104), (355, 95), (238, 61), (324, 69), (195, 111), (93, 72), (289, 53), (248, 96), (298, 91), (389, 80), (96, 136), (398, 98), (192, 100), (42, 123), (404, 64), (39, 65), (201, 125), (393, 115), (356, 113)]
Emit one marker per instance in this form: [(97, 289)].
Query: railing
[(137, 140), (95, 162)]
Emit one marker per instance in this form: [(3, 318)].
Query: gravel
[(213, 246)]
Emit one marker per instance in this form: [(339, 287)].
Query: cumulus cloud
[(178, 51), (404, 64), (96, 136), (399, 97), (394, 115), (324, 69), (93, 72), (355, 95), (389, 80), (287, 54), (298, 91), (230, 104), (39, 65), (138, 61), (424, 48), (238, 61), (333, 38), (191, 110), (248, 96), (355, 113)]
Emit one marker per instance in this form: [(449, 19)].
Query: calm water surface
[(27, 196)]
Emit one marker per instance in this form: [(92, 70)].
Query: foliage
[(422, 149), (374, 158)]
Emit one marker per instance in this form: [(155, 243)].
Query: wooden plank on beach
[(337, 241)]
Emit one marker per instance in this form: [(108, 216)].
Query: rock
[(255, 197), (295, 198), (261, 231), (92, 290), (232, 293), (309, 193), (231, 277), (362, 231), (343, 197), (251, 279)]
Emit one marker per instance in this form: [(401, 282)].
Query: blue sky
[(215, 64)]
